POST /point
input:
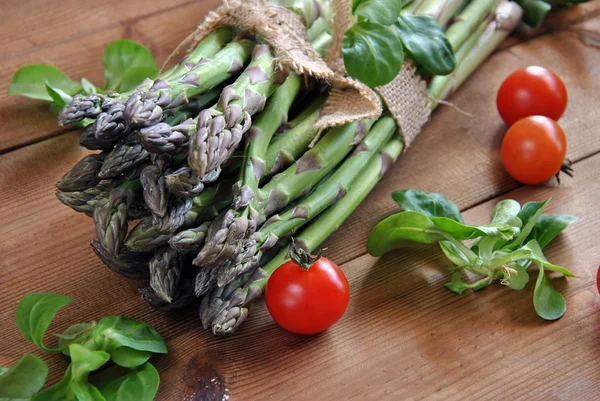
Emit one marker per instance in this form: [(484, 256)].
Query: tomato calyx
[(566, 168), (303, 258)]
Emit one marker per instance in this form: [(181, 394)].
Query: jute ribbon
[(406, 96), (285, 32)]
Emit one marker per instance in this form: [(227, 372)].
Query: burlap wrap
[(285, 32), (406, 96)]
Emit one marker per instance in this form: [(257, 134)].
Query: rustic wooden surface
[(404, 336)]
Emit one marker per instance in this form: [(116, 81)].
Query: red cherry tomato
[(307, 301), (534, 149), (531, 91)]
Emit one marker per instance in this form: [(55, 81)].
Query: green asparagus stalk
[(441, 10), (87, 200), (83, 175), (174, 133), (289, 145), (127, 154), (279, 192), (412, 7), (128, 264), (228, 233), (220, 128), (184, 213), (439, 87), (145, 108), (90, 106), (111, 218), (166, 273), (506, 19), (468, 20), (155, 190), (328, 192), (226, 308), (301, 176)]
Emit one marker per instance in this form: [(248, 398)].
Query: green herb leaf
[(140, 385), (426, 42), (529, 215), (548, 303), (113, 332), (518, 281), (31, 81), (34, 314), (464, 232), (458, 286), (58, 96), (453, 253), (372, 53), (78, 333), (129, 357), (85, 362), (88, 87), (549, 226), (538, 257), (431, 204), (400, 228), (506, 212), (530, 251), (24, 379), (61, 391), (122, 55), (134, 76), (384, 12)]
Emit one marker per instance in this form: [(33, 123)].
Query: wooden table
[(404, 335)]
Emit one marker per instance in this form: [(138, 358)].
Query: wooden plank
[(25, 120), (67, 40), (44, 245), (405, 336), (23, 31)]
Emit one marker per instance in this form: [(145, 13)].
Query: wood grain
[(25, 121), (404, 336)]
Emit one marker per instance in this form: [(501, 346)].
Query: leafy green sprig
[(502, 250), (126, 342), (126, 65), (382, 35)]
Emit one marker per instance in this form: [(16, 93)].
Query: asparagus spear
[(155, 190), (87, 200), (226, 308), (331, 190), (467, 21), (128, 264), (92, 105), (128, 153), (83, 175), (151, 233), (145, 108), (440, 10), (506, 18), (111, 218), (166, 273), (227, 233), (289, 145), (221, 127)]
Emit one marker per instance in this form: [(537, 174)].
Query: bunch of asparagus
[(214, 159)]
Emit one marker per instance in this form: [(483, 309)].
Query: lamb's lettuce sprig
[(90, 346), (126, 65), (502, 250)]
